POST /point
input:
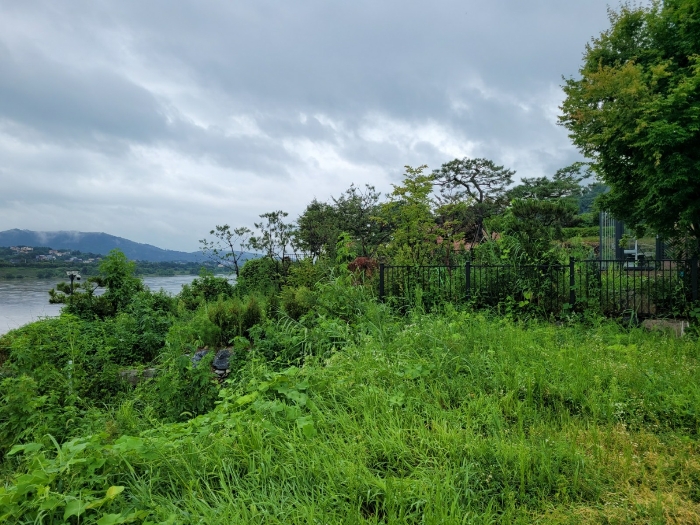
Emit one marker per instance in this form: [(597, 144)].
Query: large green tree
[(317, 228), (478, 182), (414, 235), (635, 111), (356, 212)]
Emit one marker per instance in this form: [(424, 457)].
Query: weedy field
[(454, 417)]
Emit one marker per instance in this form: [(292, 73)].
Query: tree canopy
[(227, 246), (566, 183), (478, 182), (634, 111)]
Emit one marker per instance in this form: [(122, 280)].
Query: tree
[(317, 228), (274, 235), (414, 236), (227, 246), (118, 277), (357, 211), (480, 182), (565, 184), (536, 223), (589, 195), (635, 112), (479, 179)]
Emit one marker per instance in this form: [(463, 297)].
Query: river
[(25, 300)]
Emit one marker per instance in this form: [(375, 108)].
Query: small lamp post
[(72, 275)]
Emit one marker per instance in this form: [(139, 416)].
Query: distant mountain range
[(97, 243)]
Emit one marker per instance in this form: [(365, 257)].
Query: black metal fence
[(664, 288)]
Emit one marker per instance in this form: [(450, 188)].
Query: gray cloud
[(156, 120)]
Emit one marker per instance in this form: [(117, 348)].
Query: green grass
[(457, 418)]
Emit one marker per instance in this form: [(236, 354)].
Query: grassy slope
[(450, 419)]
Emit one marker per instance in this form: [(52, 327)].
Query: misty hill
[(94, 242)]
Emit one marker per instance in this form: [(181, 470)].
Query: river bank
[(23, 301)]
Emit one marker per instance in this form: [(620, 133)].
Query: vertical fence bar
[(467, 280), (572, 283), (381, 282), (694, 278)]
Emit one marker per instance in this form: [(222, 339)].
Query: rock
[(198, 355), (134, 376), (221, 360), (677, 328)]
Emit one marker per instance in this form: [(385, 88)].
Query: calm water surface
[(25, 300)]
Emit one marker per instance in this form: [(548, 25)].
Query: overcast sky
[(157, 119)]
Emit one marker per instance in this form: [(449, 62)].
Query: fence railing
[(664, 288)]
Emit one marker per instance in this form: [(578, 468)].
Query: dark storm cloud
[(73, 104), (242, 107)]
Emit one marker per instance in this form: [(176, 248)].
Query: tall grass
[(451, 418)]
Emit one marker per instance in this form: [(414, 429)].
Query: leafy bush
[(307, 272), (139, 332), (297, 302), (190, 334), (65, 363), (20, 410), (258, 276), (182, 391), (203, 289), (252, 315)]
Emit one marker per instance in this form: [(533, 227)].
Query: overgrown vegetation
[(339, 410)]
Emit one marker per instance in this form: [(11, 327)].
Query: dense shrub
[(252, 315), (259, 276), (192, 333), (227, 315), (297, 302), (182, 391), (20, 410), (65, 365), (139, 331), (234, 318), (203, 289), (307, 272)]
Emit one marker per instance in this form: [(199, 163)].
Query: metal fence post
[(694, 277), (572, 282), (468, 279), (381, 282)]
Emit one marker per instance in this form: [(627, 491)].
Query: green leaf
[(127, 443), (249, 398), (298, 397), (111, 519), (29, 447), (114, 491), (306, 425), (74, 507)]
